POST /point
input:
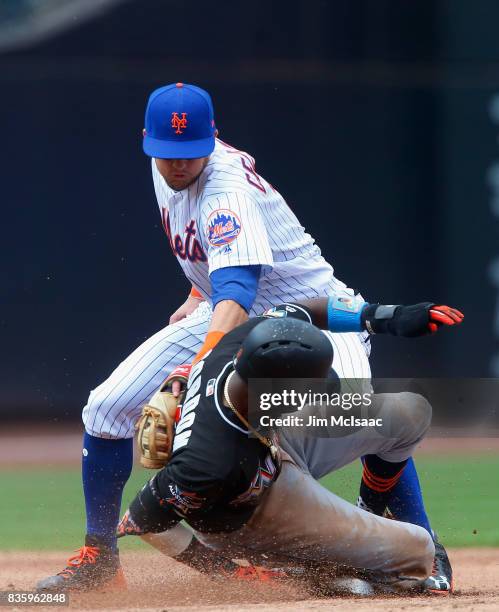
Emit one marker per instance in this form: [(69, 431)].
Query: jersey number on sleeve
[(248, 164), (251, 175)]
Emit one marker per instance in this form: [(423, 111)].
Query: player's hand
[(176, 388), (443, 315), (422, 319), (175, 385), (410, 321), (188, 307)]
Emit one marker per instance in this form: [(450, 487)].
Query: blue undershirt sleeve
[(237, 283)]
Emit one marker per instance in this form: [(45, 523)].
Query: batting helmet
[(284, 348)]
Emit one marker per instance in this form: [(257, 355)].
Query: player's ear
[(216, 133)]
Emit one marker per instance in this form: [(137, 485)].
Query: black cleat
[(440, 582)]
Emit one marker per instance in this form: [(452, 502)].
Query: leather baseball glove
[(156, 425)]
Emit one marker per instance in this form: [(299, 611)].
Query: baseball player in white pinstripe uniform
[(243, 250)]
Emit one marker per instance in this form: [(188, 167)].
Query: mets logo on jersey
[(224, 227), (179, 123)]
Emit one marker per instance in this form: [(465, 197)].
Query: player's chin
[(180, 184)]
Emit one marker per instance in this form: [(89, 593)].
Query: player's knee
[(410, 415), (106, 417)]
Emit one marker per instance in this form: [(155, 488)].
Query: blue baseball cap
[(179, 123)]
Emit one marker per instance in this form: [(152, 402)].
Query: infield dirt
[(158, 583)]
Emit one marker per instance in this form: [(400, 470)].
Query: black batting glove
[(409, 321)]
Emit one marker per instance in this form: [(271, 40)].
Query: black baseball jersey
[(217, 473)]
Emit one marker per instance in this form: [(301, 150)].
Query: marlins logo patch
[(224, 227), (274, 313)]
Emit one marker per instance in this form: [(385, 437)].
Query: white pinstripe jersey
[(231, 216)]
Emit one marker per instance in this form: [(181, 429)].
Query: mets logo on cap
[(179, 123), (224, 227)]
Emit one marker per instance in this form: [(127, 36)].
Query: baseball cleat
[(256, 572), (360, 503), (440, 582), (94, 567)]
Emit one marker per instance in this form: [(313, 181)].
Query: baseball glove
[(156, 424)]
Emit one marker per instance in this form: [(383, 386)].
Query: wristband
[(195, 294), (211, 340), (344, 314)]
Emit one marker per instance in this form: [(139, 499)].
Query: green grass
[(44, 509), (461, 496)]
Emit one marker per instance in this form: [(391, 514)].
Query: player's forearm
[(226, 316), (345, 314), (317, 309), (148, 513), (233, 293)]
